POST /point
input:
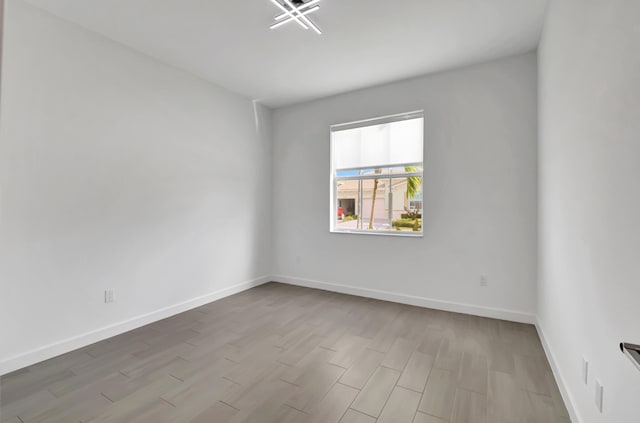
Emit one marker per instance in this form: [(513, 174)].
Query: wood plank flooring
[(285, 354)]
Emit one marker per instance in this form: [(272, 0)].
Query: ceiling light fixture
[(301, 7), (296, 10), (288, 13), (288, 19)]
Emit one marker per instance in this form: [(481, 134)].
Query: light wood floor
[(282, 354)]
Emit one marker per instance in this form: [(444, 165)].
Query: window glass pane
[(348, 205), (379, 171), (415, 205), (405, 169), (407, 213), (372, 171), (383, 204), (347, 173), (375, 204)]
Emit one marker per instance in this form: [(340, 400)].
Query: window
[(415, 202), (376, 175)]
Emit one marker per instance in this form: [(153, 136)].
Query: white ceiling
[(365, 42)]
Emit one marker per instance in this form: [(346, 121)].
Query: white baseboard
[(495, 313), (562, 386), (66, 345)]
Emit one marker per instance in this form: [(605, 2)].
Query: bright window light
[(376, 175)]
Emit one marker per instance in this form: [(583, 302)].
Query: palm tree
[(413, 182), (413, 187), (373, 202)]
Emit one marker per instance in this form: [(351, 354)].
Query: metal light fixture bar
[(288, 12), (287, 19), (301, 7), (302, 16), (296, 13)]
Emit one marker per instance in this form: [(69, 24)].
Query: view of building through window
[(376, 177)]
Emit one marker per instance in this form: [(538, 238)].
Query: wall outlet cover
[(108, 296), (484, 281)]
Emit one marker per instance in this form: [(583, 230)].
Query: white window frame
[(334, 179)]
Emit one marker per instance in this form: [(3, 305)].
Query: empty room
[(324, 211)]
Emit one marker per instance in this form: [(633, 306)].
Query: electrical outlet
[(585, 371), (599, 395), (484, 282), (109, 296)]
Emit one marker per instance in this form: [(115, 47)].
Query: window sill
[(402, 234)]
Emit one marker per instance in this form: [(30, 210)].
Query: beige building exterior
[(390, 201)]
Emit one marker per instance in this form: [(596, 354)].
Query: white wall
[(589, 288), (1, 35), (117, 172), (479, 189)]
